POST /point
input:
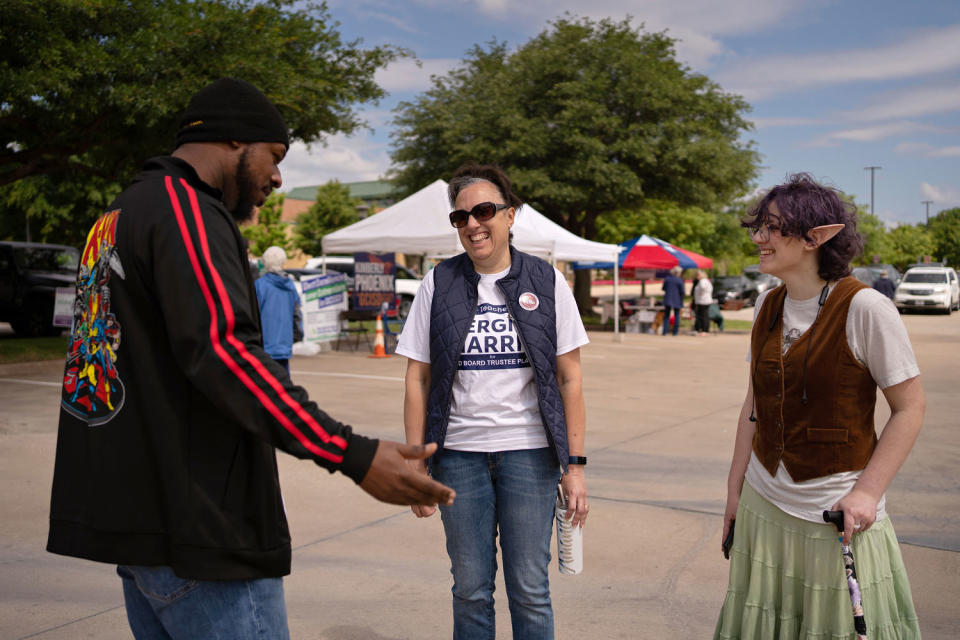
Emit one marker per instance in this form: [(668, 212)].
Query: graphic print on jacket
[(492, 341), (92, 389)]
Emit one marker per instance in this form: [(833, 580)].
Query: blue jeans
[(513, 491), (163, 606), (666, 319)]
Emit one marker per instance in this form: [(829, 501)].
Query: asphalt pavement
[(661, 414)]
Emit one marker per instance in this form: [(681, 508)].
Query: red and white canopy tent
[(647, 253)]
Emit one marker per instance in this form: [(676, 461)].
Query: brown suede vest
[(834, 430)]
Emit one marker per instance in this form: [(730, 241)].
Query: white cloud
[(947, 152), (914, 148), (407, 75), (347, 159), (868, 134), (925, 52), (496, 7), (703, 16), (767, 123), (696, 24), (922, 148), (911, 103), (943, 197)]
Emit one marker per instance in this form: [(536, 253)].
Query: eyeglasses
[(761, 232), (482, 212)]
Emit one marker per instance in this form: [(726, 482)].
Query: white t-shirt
[(494, 405), (879, 341)]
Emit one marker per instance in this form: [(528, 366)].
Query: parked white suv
[(406, 284), (929, 287)]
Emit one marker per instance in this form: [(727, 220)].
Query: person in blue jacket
[(885, 285), (672, 299), (280, 319)]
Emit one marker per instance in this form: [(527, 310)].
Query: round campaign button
[(529, 301)]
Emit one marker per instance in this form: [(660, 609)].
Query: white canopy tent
[(419, 224)]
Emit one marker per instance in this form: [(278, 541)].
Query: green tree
[(40, 208), (945, 227), (687, 227), (908, 243), (876, 238), (268, 230), (589, 119), (333, 209), (89, 90)]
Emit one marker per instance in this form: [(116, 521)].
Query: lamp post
[(872, 170), (928, 203)]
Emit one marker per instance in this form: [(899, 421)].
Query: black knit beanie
[(230, 109)]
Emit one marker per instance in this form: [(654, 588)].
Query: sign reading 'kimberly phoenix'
[(374, 276)]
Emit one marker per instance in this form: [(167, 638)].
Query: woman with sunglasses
[(822, 343), (493, 340)]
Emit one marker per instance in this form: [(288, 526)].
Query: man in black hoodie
[(171, 410)]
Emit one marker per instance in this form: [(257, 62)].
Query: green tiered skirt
[(787, 580)]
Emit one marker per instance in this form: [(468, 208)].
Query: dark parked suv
[(29, 276), (726, 288)]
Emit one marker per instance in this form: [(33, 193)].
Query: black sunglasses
[(482, 212)]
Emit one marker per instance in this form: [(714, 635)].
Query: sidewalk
[(661, 418)]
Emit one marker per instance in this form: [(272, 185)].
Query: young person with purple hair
[(822, 343)]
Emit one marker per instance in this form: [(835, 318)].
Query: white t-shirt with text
[(494, 405)]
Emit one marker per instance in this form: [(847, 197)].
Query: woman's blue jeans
[(513, 492), (164, 606)]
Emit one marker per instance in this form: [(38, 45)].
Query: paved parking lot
[(661, 418)]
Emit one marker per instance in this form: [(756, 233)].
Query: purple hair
[(804, 204)]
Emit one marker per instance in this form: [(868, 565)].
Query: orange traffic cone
[(379, 348)]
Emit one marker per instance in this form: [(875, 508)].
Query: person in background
[(672, 299), (822, 343), (702, 299), (493, 377), (885, 285), (171, 411), (280, 318), (716, 315)]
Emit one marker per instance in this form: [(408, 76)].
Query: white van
[(929, 287)]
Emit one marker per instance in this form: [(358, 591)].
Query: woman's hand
[(421, 510), (574, 488), (859, 512)]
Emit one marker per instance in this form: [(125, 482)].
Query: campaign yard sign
[(324, 297), (374, 276), (63, 306)]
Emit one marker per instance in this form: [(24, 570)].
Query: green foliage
[(589, 119), (333, 209), (945, 227), (53, 208), (686, 227), (268, 231), (730, 244), (89, 90), (908, 243), (876, 238)]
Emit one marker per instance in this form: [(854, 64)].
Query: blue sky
[(835, 86)]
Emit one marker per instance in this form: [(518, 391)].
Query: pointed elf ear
[(823, 234)]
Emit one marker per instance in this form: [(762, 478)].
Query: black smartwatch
[(582, 460)]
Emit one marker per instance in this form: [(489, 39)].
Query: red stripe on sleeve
[(218, 348), (239, 346)]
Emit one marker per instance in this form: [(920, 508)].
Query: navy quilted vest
[(454, 305)]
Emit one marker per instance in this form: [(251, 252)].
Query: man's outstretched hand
[(391, 479)]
